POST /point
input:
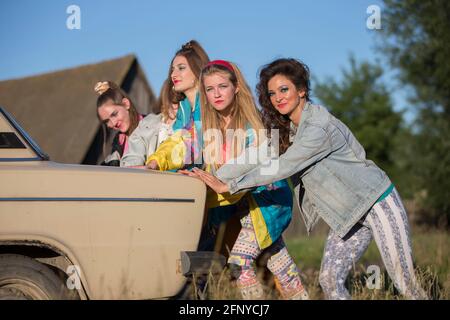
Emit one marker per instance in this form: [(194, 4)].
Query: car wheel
[(23, 278)]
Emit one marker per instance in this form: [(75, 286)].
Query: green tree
[(416, 41), (363, 103)]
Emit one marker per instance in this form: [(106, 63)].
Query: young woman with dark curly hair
[(333, 180)]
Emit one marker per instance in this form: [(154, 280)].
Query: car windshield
[(33, 145)]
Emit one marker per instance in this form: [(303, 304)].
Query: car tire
[(23, 278)]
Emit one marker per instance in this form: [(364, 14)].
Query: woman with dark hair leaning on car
[(116, 111), (334, 181)]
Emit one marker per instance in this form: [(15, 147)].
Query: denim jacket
[(332, 178), (143, 141)]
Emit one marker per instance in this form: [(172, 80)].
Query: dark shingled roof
[(58, 109)]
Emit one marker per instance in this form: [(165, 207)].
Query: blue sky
[(322, 33)]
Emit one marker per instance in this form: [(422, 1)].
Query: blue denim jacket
[(333, 179)]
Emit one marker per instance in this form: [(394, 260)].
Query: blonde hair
[(244, 115)]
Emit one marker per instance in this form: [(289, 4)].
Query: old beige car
[(92, 232)]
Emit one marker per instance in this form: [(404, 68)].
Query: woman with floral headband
[(334, 181), (230, 124)]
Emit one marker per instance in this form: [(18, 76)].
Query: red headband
[(222, 63)]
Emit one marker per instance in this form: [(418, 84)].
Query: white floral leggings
[(387, 222)]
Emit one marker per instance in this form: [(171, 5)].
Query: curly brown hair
[(298, 73)]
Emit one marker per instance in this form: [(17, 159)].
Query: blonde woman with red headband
[(231, 123)]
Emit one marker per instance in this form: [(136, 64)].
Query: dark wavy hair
[(298, 73)]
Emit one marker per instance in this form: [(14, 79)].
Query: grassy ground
[(431, 253)]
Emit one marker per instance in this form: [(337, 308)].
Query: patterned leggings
[(280, 263), (388, 224)]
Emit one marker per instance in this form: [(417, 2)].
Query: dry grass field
[(431, 249)]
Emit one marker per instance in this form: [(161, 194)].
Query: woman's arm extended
[(313, 145)]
